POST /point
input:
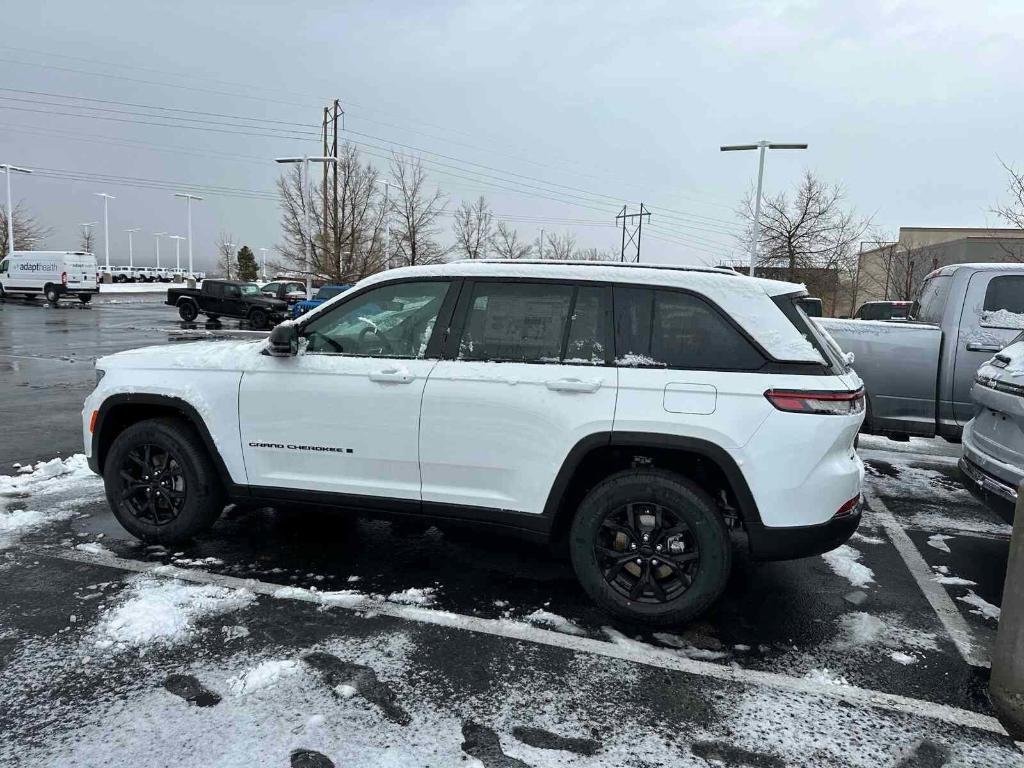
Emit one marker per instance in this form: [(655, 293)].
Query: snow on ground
[(94, 548), (554, 621), (826, 677), (45, 493), (843, 561), (919, 445), (938, 541), (161, 612), (918, 483), (413, 596), (966, 519), (981, 606), (264, 675), (862, 631)]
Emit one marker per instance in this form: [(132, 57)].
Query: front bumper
[(789, 543)]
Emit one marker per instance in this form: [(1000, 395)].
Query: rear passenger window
[(677, 330), (1004, 302), (587, 343), (520, 322)]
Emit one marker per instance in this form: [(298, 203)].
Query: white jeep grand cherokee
[(634, 413)]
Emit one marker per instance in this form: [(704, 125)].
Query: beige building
[(895, 271)]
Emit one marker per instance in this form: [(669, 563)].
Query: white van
[(53, 274)]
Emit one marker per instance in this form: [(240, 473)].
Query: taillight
[(821, 403), (849, 507), (64, 278)]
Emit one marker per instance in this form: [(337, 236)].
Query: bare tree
[(895, 269), (1012, 212), (595, 254), (561, 247), (810, 236), (506, 244), (346, 243), (29, 232), (473, 227), (414, 214), (226, 260), (87, 240)]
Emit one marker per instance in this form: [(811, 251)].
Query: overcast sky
[(567, 110)]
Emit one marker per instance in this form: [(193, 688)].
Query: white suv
[(635, 414)]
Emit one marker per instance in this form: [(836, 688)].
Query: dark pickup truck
[(227, 298)]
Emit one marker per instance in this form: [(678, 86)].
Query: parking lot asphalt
[(371, 644)]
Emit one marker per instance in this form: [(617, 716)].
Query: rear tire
[(85, 298), (51, 293), (188, 311), (160, 481), (677, 582)]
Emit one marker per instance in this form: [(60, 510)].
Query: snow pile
[(94, 548), (554, 621), (263, 675), (981, 606), (953, 581), (164, 612), (679, 646), (413, 596), (826, 677), (843, 561), (56, 489), (938, 541), (1003, 318)]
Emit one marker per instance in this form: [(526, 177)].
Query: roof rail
[(621, 264)]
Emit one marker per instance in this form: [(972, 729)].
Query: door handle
[(574, 385), (391, 376), (973, 346)]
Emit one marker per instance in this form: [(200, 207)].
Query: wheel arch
[(120, 411), (596, 456)]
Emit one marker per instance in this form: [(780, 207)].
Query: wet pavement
[(424, 653)]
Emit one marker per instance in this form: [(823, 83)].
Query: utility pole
[(188, 204), (761, 146), (106, 227), (332, 223), (540, 244), (131, 253), (157, 236), (307, 193), (387, 222), (631, 234), (177, 251), (9, 169)]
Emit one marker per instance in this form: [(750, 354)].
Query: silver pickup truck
[(918, 373)]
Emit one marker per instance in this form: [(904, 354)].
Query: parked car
[(227, 298), (326, 292), (884, 310), (289, 291), (53, 274), (635, 413), (122, 274), (993, 441), (919, 373)]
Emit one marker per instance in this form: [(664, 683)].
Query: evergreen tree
[(247, 264)]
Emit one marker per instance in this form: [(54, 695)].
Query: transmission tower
[(631, 232), (331, 222)]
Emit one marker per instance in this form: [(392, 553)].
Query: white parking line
[(959, 631), (648, 656)]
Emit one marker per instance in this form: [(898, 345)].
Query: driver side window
[(393, 320)]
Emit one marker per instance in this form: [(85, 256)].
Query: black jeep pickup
[(228, 298)]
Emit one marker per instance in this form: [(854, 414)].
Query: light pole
[(156, 238), (188, 204), (131, 251), (177, 251), (86, 234), (9, 169), (761, 146), (106, 227), (304, 181), (263, 263)]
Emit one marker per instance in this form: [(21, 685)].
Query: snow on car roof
[(748, 300)]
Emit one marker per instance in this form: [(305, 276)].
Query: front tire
[(650, 546), (160, 481), (259, 319), (188, 311)]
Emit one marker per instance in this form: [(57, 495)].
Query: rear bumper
[(790, 543)]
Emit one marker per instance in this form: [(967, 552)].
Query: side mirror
[(283, 341)]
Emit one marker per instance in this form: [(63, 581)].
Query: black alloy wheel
[(646, 552), (188, 311), (153, 487)]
